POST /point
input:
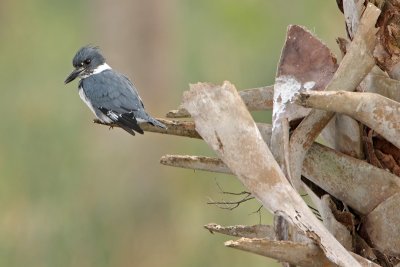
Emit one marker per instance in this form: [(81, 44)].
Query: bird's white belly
[(99, 115), (85, 99)]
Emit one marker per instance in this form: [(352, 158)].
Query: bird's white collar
[(101, 68), (97, 70)]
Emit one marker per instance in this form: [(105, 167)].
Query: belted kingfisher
[(110, 95)]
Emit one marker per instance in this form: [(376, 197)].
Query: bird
[(110, 95)]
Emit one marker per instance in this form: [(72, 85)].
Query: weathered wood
[(260, 239), (355, 65), (377, 112), (299, 254), (224, 122), (383, 228), (351, 180), (307, 255), (260, 98), (254, 231)]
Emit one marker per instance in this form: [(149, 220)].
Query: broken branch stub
[(195, 163), (299, 254), (225, 124), (260, 98), (254, 231), (348, 179), (261, 240), (377, 112)]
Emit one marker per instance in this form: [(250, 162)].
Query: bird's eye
[(81, 64), (87, 61)]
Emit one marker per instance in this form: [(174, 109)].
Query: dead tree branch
[(334, 172), (254, 231), (377, 112), (255, 99), (225, 124), (261, 240), (355, 65)]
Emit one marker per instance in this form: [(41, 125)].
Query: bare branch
[(195, 163), (336, 173), (186, 128), (260, 98), (262, 234), (254, 231), (178, 113), (231, 204), (180, 128), (301, 254), (295, 253), (232, 193), (355, 65), (377, 112), (225, 124)]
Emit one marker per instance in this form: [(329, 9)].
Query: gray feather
[(113, 91)]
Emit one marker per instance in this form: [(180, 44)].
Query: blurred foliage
[(76, 194)]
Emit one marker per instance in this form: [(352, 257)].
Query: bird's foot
[(97, 121)]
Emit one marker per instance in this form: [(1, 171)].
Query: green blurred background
[(76, 194)]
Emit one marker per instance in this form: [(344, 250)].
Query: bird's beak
[(75, 73)]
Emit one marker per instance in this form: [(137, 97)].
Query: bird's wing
[(133, 88), (112, 91), (113, 95)]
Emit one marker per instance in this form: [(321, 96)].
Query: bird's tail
[(155, 122)]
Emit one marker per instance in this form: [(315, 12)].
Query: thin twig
[(229, 205)]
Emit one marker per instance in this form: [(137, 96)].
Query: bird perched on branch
[(109, 94)]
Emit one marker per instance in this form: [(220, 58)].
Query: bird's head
[(85, 62)]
